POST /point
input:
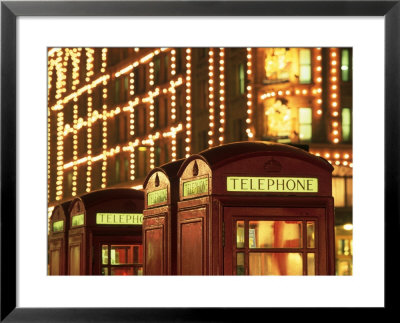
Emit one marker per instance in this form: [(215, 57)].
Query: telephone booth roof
[(101, 196), (169, 169), (64, 206), (221, 155)]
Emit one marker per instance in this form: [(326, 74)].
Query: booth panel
[(55, 257), (192, 242), (76, 265), (192, 247), (75, 259), (55, 263), (275, 241), (154, 252)]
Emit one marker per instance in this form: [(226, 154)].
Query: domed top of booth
[(255, 168), (107, 201), (101, 196), (169, 169), (224, 154), (161, 184), (58, 218)]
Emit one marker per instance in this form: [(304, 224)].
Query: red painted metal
[(84, 241), (206, 218)]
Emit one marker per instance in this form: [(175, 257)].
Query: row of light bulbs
[(249, 94)]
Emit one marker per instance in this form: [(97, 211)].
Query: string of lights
[(249, 88), (221, 95), (67, 92)]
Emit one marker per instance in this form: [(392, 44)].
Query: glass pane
[(262, 263), (311, 264), (75, 260), (122, 254), (240, 263), (345, 65), (78, 220), (305, 115), (305, 56), (338, 191), (58, 226), (346, 124), (104, 271), (241, 78), (349, 191), (104, 254), (240, 234), (310, 234), (275, 234), (121, 271), (344, 268), (305, 132), (305, 74)]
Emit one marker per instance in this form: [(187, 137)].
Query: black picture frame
[(11, 10)]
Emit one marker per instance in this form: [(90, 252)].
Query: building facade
[(116, 113)]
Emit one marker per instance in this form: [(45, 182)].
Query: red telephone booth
[(57, 240), (105, 235), (255, 208), (161, 188)]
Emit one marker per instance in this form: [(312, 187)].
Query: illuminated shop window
[(157, 66), (68, 184), (345, 65), (156, 113), (239, 133), (305, 124), (305, 66), (278, 65), (178, 58), (117, 170), (126, 168), (126, 88), (342, 191), (157, 155), (116, 90), (141, 162), (140, 120), (203, 140), (166, 63), (166, 154), (278, 121), (179, 105), (346, 124), (180, 147), (203, 89), (117, 129), (288, 64), (121, 260), (242, 78), (344, 249), (164, 112)]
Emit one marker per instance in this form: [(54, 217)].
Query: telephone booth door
[(275, 241)]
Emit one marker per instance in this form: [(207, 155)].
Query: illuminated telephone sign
[(157, 197), (119, 218), (78, 220), (196, 187), (58, 226), (272, 184)]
